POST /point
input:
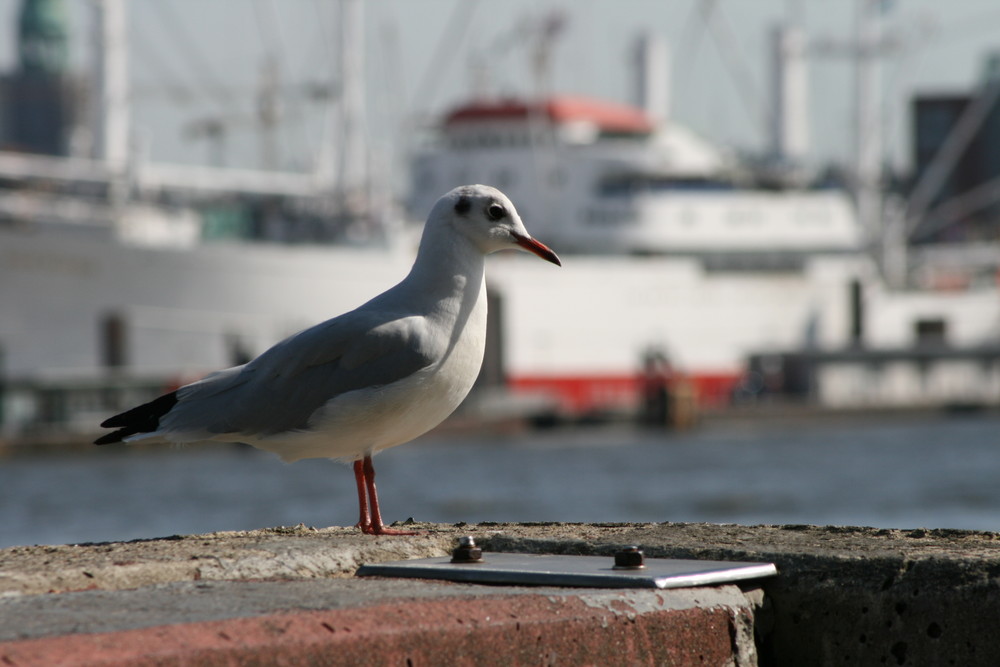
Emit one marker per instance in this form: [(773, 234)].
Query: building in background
[(935, 119), (38, 100)]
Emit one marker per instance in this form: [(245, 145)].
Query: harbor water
[(931, 471)]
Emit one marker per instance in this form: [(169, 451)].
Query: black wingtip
[(110, 438), (144, 418)]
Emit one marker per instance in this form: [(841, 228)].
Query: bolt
[(629, 558), (467, 551)]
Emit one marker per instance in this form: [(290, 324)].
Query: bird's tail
[(142, 419)]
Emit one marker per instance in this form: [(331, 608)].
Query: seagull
[(372, 378)]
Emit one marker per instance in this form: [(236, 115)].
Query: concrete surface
[(852, 596)]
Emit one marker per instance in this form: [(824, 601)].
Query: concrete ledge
[(843, 596), (273, 553)]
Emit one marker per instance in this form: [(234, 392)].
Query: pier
[(842, 596)]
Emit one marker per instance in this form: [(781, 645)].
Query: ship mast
[(110, 115), (352, 166), (868, 121), (790, 102), (881, 235), (110, 107), (651, 90), (544, 33), (342, 160)]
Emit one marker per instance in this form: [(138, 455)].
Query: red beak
[(537, 248)]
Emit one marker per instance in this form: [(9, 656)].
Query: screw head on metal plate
[(467, 551), (629, 558)]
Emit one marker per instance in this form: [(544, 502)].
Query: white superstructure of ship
[(599, 177)]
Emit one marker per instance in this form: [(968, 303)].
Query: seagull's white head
[(487, 218)]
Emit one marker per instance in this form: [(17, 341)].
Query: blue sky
[(192, 59)]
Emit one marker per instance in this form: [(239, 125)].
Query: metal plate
[(588, 571)]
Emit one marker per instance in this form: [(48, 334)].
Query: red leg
[(375, 526), (365, 520)]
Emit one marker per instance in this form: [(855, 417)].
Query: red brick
[(503, 630)]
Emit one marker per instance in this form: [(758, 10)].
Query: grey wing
[(281, 389)]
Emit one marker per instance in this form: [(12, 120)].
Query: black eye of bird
[(496, 212)]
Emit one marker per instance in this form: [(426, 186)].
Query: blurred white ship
[(118, 278)]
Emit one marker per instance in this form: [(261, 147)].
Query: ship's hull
[(77, 305)]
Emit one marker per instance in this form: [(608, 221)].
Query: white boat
[(673, 249), (703, 270)]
